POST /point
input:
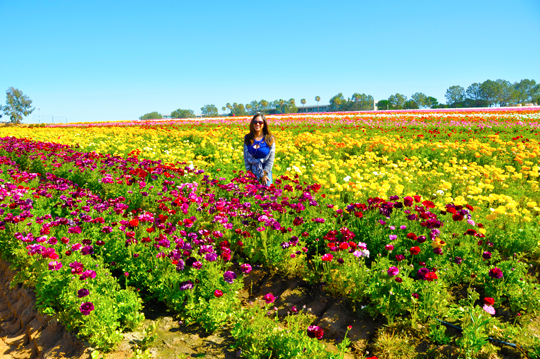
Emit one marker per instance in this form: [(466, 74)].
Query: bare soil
[(24, 333)]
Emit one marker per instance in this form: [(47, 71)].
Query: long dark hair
[(268, 137)]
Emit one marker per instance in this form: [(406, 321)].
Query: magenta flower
[(86, 308), (246, 268), (393, 271), (55, 265), (486, 255), (269, 298), (88, 274), (314, 331), (389, 247)]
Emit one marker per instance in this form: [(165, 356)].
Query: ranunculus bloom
[(55, 265), (496, 273), (389, 247), (486, 255), (83, 293), (229, 277), (392, 271), (489, 301), (246, 268), (314, 331), (269, 298), (327, 257), (489, 309), (186, 285), (86, 308), (415, 250), (218, 293)]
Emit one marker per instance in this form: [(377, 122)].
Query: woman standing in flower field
[(259, 149)]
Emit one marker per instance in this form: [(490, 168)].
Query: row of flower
[(94, 223)]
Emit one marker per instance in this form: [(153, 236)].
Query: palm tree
[(317, 98), (303, 101), (223, 109)]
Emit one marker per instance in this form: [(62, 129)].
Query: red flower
[(417, 198), (415, 250), (428, 204), (412, 236), (489, 301), (218, 293), (457, 217), (134, 222), (358, 214), (327, 257)]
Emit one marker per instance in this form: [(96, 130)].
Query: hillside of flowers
[(415, 218)]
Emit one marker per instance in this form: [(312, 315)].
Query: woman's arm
[(270, 161), (246, 154)]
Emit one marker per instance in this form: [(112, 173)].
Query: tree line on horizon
[(486, 94)]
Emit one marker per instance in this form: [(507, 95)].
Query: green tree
[(182, 113), (490, 91), (454, 94), (151, 116), (336, 102), (223, 109), (397, 101), (507, 94), (361, 102), (421, 100), (209, 111), (527, 91), (17, 105), (432, 101), (474, 91), (383, 105), (410, 105)]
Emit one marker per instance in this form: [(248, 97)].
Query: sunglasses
[(258, 122)]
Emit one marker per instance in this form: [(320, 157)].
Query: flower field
[(410, 216)]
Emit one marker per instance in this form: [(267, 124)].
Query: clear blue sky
[(117, 60)]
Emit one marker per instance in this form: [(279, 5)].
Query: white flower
[(347, 179)]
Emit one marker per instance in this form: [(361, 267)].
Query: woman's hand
[(265, 180)]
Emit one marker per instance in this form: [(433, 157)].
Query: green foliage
[(454, 94), (209, 111), (151, 116), (17, 105), (182, 113)]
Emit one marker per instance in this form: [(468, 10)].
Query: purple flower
[(486, 255), (86, 308), (229, 277), (392, 271), (458, 260), (211, 257), (314, 331), (77, 230), (197, 265), (246, 268), (186, 285), (83, 293), (87, 250), (496, 273)]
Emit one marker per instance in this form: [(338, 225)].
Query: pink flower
[(246, 268), (489, 309), (55, 265)]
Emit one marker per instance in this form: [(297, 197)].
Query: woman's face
[(258, 124)]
